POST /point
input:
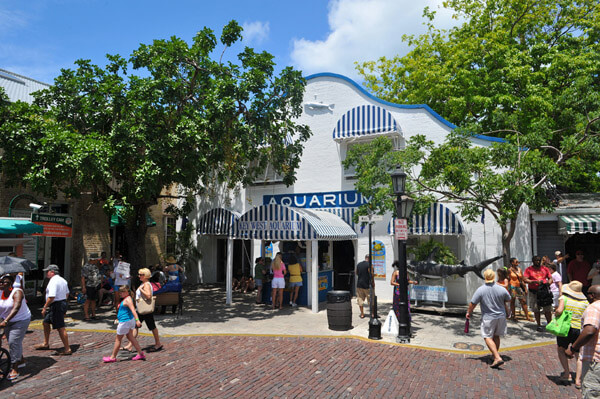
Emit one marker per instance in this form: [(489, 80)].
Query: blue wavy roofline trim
[(401, 106)]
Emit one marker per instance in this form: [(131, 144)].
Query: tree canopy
[(525, 71), (184, 119)]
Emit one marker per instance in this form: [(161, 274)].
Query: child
[(128, 321), (503, 278), (556, 286)]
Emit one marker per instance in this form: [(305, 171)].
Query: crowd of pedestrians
[(570, 294), (100, 278)]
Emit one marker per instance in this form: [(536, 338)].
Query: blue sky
[(39, 37)]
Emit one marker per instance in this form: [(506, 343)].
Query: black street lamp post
[(404, 205)]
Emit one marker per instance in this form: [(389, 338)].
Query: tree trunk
[(135, 235), (508, 231)]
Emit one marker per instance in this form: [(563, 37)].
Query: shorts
[(258, 282), (125, 326), (91, 293), (533, 305), (296, 284), (278, 282), (516, 292), (149, 319), (563, 342), (56, 314), (361, 295), (491, 328)]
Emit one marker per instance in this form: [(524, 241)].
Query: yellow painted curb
[(37, 325)]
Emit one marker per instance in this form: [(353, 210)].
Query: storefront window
[(170, 234)]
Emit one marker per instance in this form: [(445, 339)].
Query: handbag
[(145, 306), (560, 325), (544, 296)]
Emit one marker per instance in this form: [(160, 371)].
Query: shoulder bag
[(560, 325), (544, 296), (145, 306)]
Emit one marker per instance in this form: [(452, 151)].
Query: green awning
[(573, 224), (19, 226), (117, 220)]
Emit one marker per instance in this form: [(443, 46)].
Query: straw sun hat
[(573, 289)]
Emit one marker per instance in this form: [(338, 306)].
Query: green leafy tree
[(524, 71), (185, 119)]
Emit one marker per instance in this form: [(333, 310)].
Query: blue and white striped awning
[(218, 222), (438, 220), (279, 222), (364, 120)]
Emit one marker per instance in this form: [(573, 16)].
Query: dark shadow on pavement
[(35, 364)]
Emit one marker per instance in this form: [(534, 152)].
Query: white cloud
[(364, 30), (255, 32), (11, 20)]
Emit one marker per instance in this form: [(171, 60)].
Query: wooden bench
[(170, 299)]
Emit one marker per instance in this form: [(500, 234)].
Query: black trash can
[(339, 310)]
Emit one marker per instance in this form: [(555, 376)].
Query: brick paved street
[(264, 367)]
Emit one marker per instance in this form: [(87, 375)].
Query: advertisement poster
[(378, 260), (54, 225)]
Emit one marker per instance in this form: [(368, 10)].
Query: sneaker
[(540, 328), (139, 356), (290, 303), (295, 305)]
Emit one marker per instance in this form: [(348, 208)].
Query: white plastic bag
[(391, 324)]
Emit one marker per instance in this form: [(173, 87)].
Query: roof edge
[(401, 106), (25, 77)]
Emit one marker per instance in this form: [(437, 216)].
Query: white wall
[(321, 171)]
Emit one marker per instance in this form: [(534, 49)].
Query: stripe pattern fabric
[(573, 224), (364, 120), (218, 222), (278, 222), (439, 220)]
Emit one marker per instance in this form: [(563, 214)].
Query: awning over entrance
[(18, 226), (218, 222), (117, 220), (364, 120), (278, 222), (438, 220), (573, 224)]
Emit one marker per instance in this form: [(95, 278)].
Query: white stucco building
[(340, 113)]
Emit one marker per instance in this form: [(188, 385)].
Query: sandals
[(61, 353), (41, 347), (139, 356), (362, 316), (497, 364), (12, 376), (108, 359), (565, 380), (154, 349)]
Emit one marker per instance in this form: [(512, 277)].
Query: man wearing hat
[(494, 300), (90, 282), (55, 309)]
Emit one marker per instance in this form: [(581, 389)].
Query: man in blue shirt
[(494, 300)]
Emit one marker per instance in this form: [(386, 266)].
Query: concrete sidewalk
[(205, 313)]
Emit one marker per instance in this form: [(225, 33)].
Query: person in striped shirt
[(573, 300), (590, 345)]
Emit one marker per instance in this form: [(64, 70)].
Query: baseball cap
[(557, 253), (53, 268)]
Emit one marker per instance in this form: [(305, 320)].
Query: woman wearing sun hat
[(574, 300)]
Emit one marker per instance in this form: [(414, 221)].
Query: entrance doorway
[(343, 266), (242, 260), (589, 243)]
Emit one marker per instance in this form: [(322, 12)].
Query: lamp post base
[(402, 340), (374, 329)]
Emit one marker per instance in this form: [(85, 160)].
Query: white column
[(309, 273), (229, 278), (314, 261)]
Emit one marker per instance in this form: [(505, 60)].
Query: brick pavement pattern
[(284, 367)]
